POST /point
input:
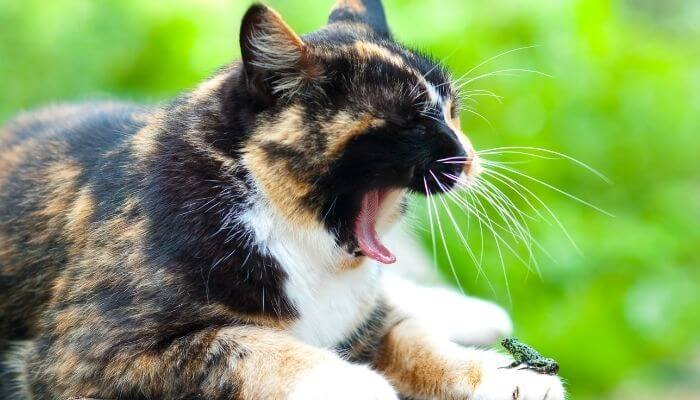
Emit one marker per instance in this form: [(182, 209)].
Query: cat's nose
[(472, 163)]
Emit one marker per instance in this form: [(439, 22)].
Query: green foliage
[(624, 96)]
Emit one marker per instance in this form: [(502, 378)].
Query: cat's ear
[(366, 12), (275, 58)]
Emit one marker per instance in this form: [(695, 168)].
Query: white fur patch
[(432, 92), (339, 380), (463, 319), (331, 302)]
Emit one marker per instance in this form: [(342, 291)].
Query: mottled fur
[(204, 248)]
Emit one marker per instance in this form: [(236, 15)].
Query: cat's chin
[(375, 206)]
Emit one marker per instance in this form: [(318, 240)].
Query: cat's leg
[(422, 366), (240, 362), (463, 319)]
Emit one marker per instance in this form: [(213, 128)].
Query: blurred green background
[(623, 314)]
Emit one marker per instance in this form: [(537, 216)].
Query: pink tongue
[(366, 232)]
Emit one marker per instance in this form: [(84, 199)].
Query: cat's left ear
[(275, 59)]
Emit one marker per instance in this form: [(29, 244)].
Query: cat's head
[(344, 122)]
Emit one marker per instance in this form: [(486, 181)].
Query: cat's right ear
[(276, 60)]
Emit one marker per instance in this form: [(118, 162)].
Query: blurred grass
[(624, 96)]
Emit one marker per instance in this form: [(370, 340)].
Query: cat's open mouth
[(366, 227)]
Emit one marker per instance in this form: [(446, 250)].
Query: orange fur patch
[(7, 250), (10, 157), (415, 365), (409, 364), (282, 188), (144, 142), (343, 127), (368, 50), (474, 375), (217, 310), (61, 179), (208, 88), (267, 351), (287, 128), (473, 168), (78, 220)]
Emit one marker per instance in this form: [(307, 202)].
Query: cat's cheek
[(339, 380)]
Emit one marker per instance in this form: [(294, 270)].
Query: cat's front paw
[(498, 383), (342, 381), (479, 322)]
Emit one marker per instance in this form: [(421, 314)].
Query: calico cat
[(227, 244)]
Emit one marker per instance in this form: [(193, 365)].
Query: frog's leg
[(513, 365), (531, 367), (539, 367)]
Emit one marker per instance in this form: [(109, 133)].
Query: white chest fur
[(331, 306), (331, 302)]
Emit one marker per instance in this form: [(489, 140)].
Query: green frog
[(529, 357)]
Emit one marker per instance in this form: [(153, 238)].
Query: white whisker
[(498, 246), (541, 202), (484, 214), (502, 72), (556, 189), (518, 150), (506, 208), (493, 58), (456, 226), (472, 111), (446, 247), (430, 218)]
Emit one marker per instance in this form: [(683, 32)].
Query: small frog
[(529, 357)]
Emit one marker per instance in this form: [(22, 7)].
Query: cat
[(228, 244)]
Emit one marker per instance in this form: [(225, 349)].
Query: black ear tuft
[(367, 12), (275, 59)]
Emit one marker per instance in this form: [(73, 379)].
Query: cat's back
[(81, 132), (47, 157), (88, 126), (62, 147)]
